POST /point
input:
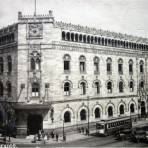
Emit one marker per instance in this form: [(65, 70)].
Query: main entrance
[(34, 123)]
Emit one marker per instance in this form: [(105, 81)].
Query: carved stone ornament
[(35, 30)]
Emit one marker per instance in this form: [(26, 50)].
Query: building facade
[(57, 74)]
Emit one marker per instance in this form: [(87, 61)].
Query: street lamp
[(88, 113)]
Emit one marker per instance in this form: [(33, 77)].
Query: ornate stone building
[(58, 74)]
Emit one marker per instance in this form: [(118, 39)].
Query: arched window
[(76, 37), (131, 85), (80, 37), (67, 89), (88, 39), (96, 65), (97, 113), (110, 111), (83, 115), (68, 36), (120, 66), (97, 87), (132, 108), (67, 63), (1, 89), (141, 66), (72, 37), (141, 85), (121, 109), (84, 38), (35, 89), (92, 39), (121, 87), (9, 64), (130, 66), (32, 64), (109, 87), (67, 117), (9, 89), (83, 88), (82, 61), (1, 65), (109, 65), (63, 35)]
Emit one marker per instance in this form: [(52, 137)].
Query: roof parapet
[(36, 18)]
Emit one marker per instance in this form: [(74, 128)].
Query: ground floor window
[(67, 117), (97, 113), (121, 109), (132, 108), (83, 114), (110, 111)]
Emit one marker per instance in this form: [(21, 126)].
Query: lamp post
[(63, 131), (88, 113)]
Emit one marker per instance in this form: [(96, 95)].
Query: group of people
[(83, 130), (41, 136)]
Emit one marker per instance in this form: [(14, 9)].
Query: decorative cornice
[(97, 49)]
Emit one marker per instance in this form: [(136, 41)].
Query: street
[(91, 141)]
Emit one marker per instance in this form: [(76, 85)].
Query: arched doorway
[(143, 113), (34, 123)]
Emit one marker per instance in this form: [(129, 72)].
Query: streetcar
[(112, 126)]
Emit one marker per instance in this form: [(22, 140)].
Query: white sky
[(125, 16)]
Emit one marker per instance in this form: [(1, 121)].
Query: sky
[(125, 16)]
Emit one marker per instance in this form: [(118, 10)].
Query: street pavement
[(80, 140)]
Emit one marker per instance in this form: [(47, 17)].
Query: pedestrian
[(48, 136), (57, 136), (64, 137), (52, 134)]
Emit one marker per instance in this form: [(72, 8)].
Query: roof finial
[(34, 7)]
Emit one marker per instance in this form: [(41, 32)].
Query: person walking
[(57, 137)]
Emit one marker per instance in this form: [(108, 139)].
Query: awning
[(20, 106)]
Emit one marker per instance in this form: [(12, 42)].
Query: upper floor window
[(120, 86), (109, 65), (9, 89), (141, 85), (9, 64), (96, 65), (141, 66), (67, 63), (82, 60), (97, 86), (1, 89), (83, 88), (67, 88), (35, 89), (35, 62), (109, 87), (120, 66), (1, 65), (131, 85), (130, 67)]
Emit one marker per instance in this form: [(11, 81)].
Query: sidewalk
[(69, 138)]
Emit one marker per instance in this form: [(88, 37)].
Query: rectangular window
[(82, 66), (141, 69), (131, 69), (120, 69), (96, 67), (108, 68), (66, 66)]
